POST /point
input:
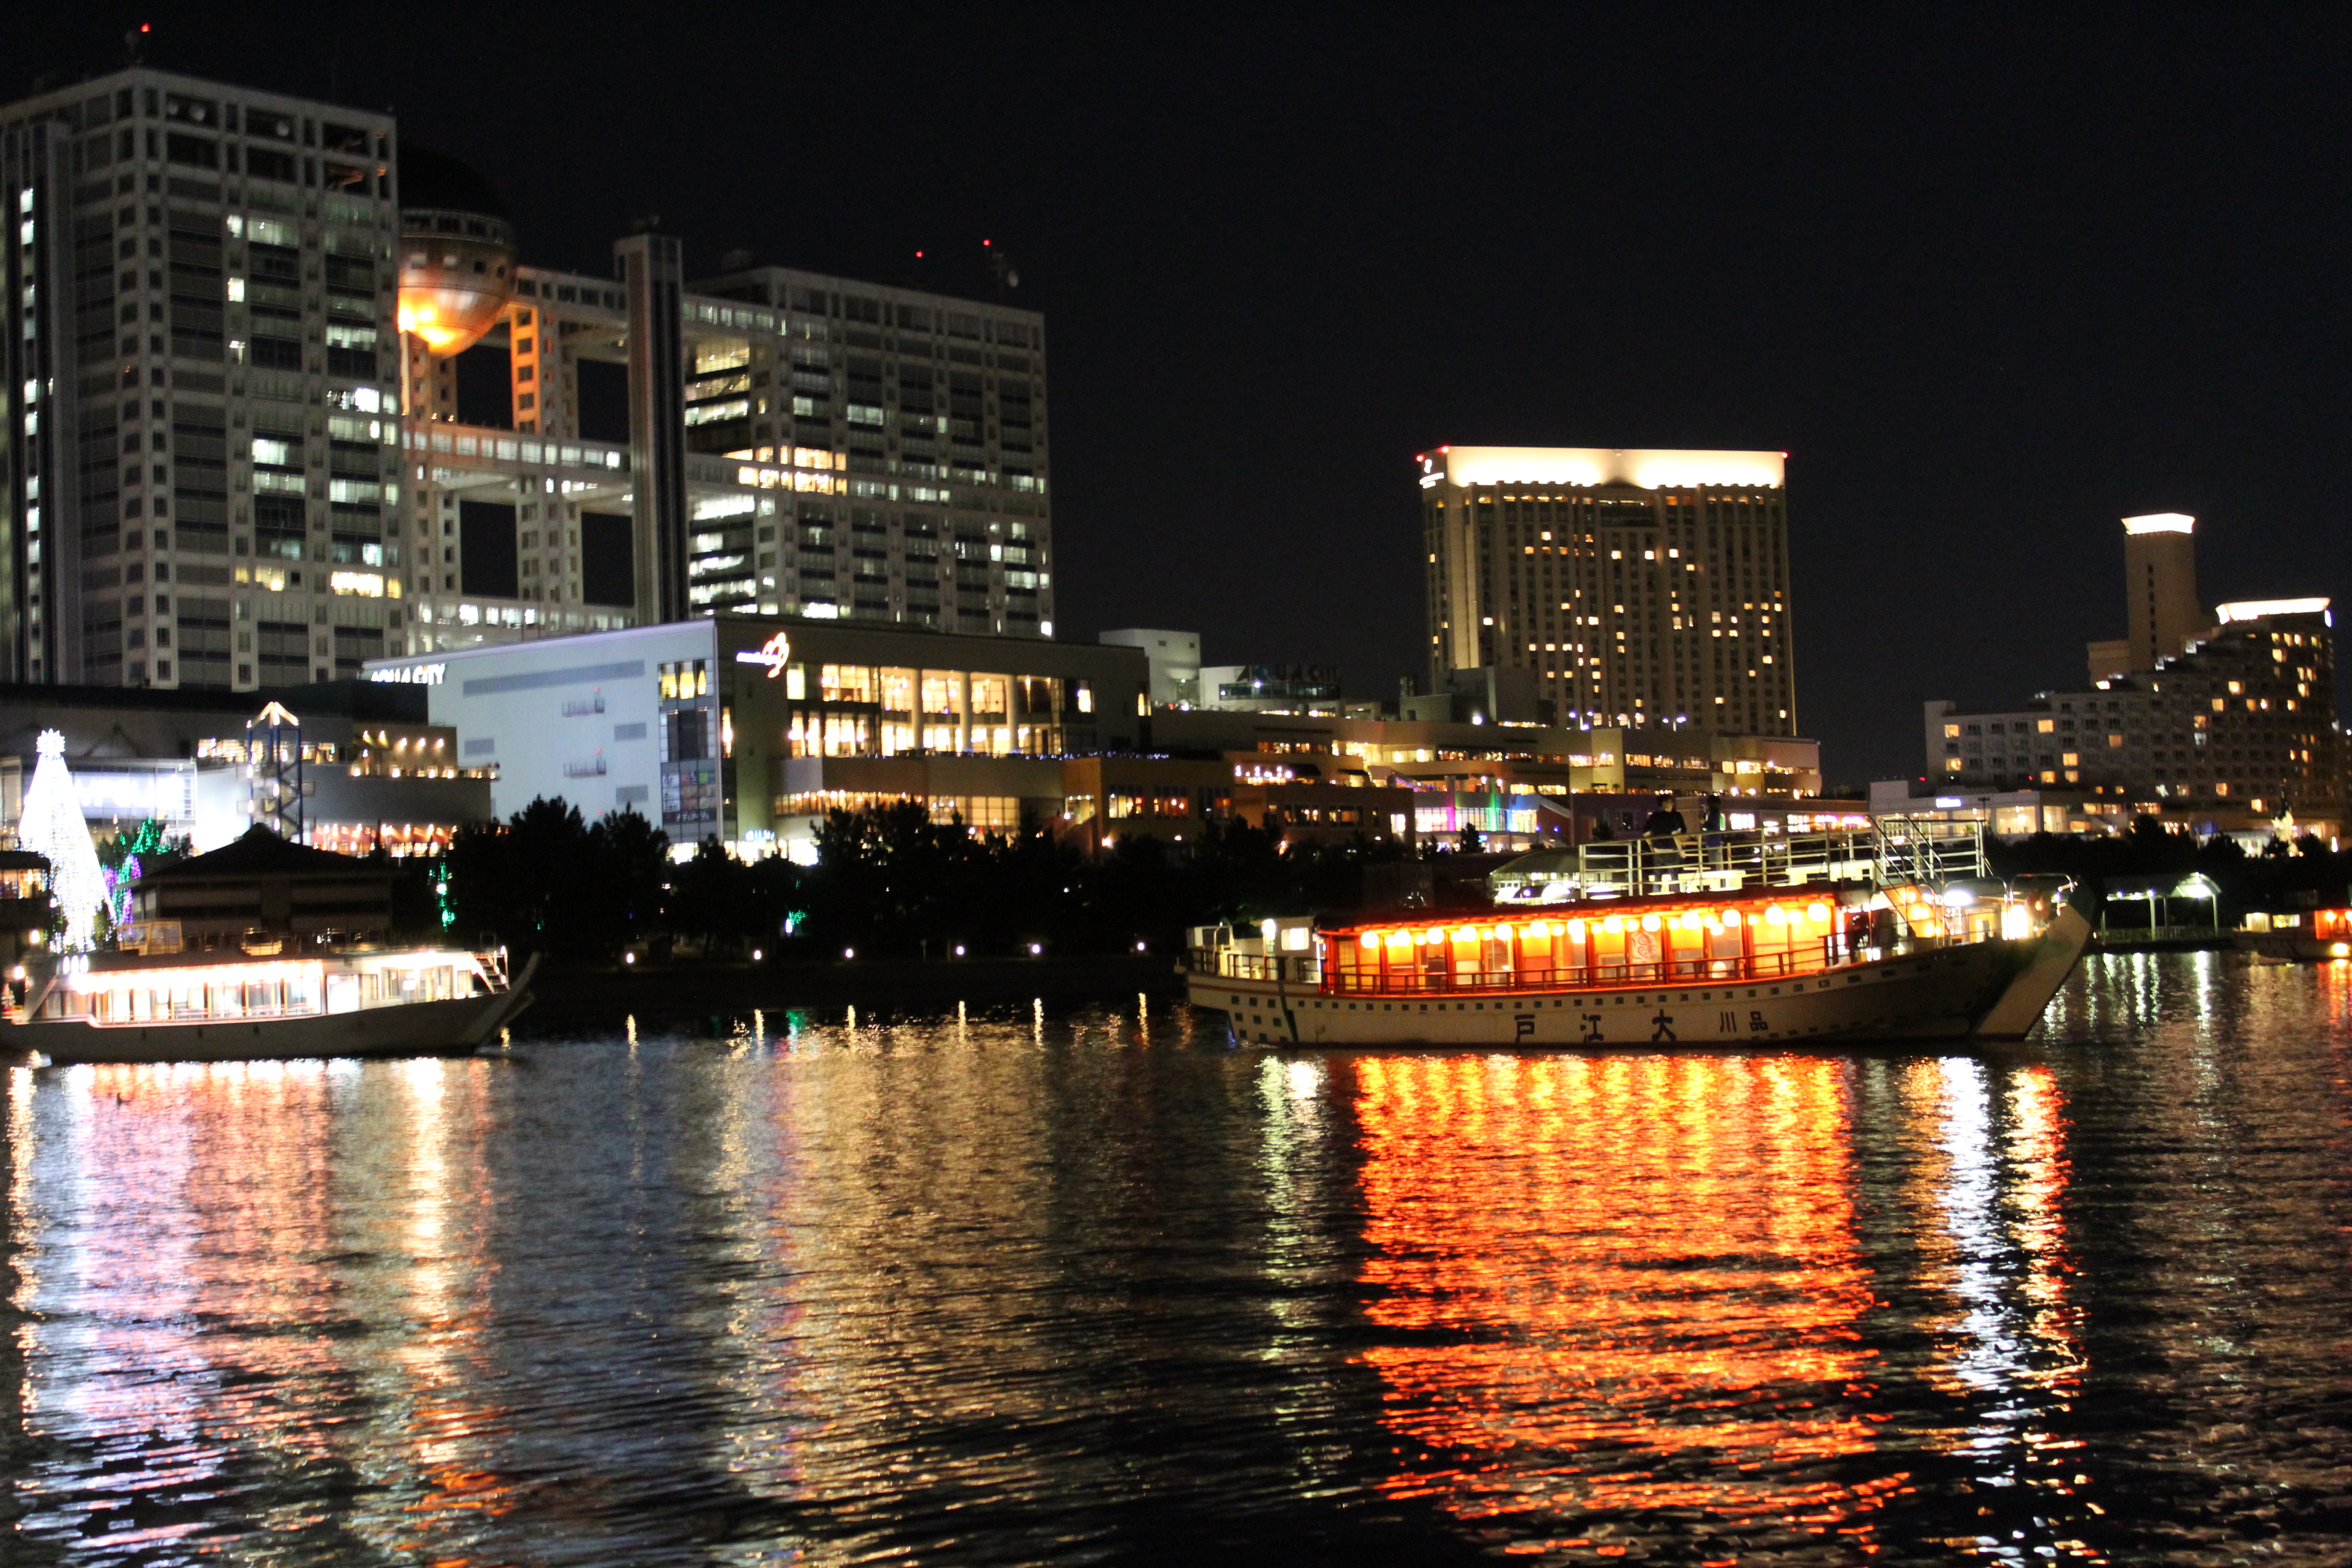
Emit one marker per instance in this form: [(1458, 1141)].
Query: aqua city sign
[(410, 674), (771, 653)]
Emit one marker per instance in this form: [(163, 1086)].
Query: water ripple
[(1005, 1287)]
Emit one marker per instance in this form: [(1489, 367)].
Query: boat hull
[(2298, 947), (452, 1027), (1983, 991)]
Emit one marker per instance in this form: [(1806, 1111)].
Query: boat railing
[(1894, 850), (1233, 965)]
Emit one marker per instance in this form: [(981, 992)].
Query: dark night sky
[(1995, 278)]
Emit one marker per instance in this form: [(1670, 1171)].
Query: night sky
[(1994, 279)]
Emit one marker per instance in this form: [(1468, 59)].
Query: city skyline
[(218, 474), (1987, 292)]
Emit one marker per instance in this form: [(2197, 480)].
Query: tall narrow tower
[(2160, 585)]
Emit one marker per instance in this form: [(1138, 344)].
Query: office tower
[(280, 399), (1642, 587), (590, 453), (604, 452), (928, 403), (2160, 596), (200, 440)]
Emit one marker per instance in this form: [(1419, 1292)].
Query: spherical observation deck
[(457, 252)]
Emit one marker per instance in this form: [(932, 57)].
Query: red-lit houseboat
[(1887, 933), (2305, 934)]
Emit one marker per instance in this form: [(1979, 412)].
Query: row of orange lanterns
[(1816, 913)]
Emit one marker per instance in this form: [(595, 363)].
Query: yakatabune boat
[(233, 1006), (1887, 933)]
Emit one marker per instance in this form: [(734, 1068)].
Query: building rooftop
[(261, 853), (1644, 467)]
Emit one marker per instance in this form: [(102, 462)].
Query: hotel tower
[(1641, 587)]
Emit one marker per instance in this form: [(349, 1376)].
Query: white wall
[(508, 702), (1174, 659)]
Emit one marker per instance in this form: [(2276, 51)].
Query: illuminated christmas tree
[(52, 827)]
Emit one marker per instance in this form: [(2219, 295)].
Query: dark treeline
[(886, 882), (892, 882), (546, 881)]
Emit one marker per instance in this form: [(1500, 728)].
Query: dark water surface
[(1103, 1288)]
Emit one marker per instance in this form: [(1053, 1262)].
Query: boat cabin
[(128, 988), (2331, 926), (261, 890), (1765, 935)]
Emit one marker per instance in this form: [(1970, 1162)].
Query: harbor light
[(849, 953), (1035, 947), (2340, 950), (959, 950), (755, 956)]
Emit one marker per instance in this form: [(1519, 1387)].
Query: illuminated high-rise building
[(198, 323), (2242, 724), (280, 399), (1641, 587), (2161, 611)]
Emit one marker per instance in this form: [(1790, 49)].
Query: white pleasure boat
[(239, 1007)]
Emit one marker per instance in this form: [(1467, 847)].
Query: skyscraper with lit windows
[(281, 398), (198, 320), (1642, 587)]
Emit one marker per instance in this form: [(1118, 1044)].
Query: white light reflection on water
[(2009, 1358)]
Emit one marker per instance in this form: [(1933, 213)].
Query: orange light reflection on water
[(1615, 1239)]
